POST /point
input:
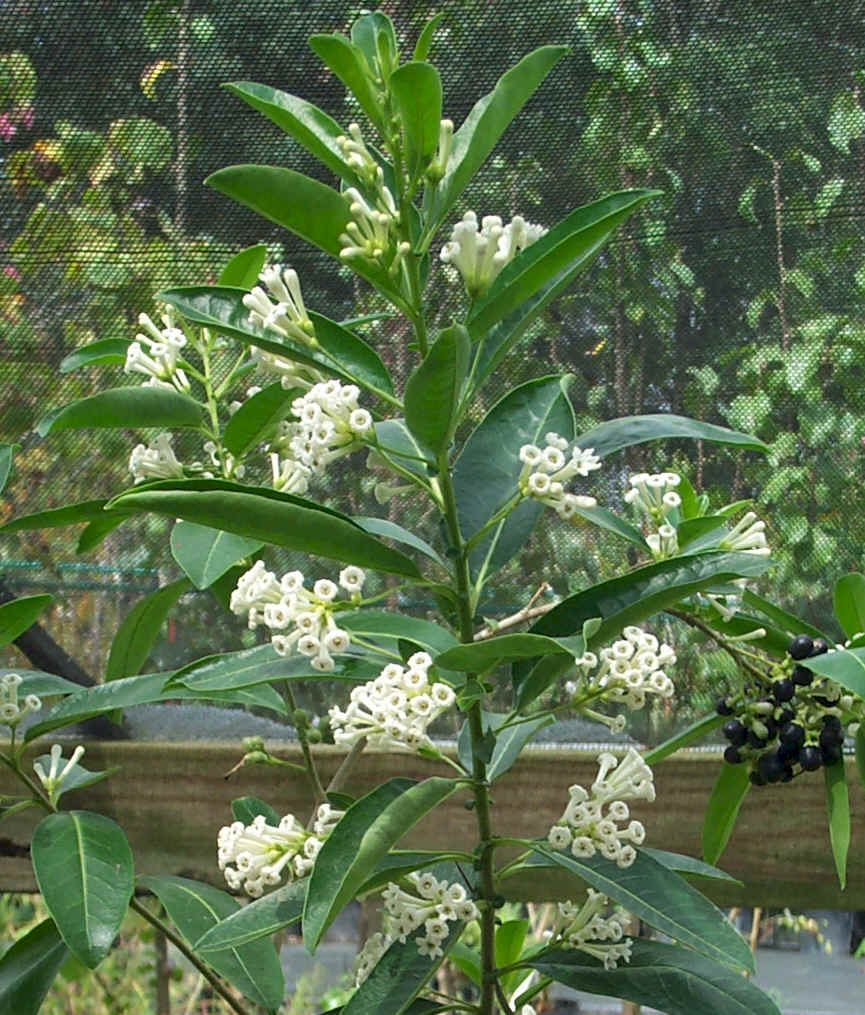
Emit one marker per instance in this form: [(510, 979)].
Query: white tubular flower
[(371, 232), (665, 542), (155, 352), (587, 828), (438, 167), (368, 957), (12, 711), (330, 424), (54, 778), (394, 710), (595, 928), (155, 461), (546, 470), (288, 316), (285, 603), (749, 536), (357, 155), (432, 907), (627, 670), (480, 254), (654, 494), (289, 476)]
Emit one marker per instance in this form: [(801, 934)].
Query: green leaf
[(605, 519), (194, 908), (566, 248), (338, 350), (432, 392), (488, 467), (682, 864), (260, 918), (29, 967), (674, 980), (244, 268), (126, 408), (421, 49), (860, 753), (373, 34), (276, 518), (509, 743), (838, 811), (390, 530), (729, 791), (143, 690), (846, 666), (467, 960), (487, 121), (310, 126), (792, 625), (245, 808), (108, 351), (394, 438), (665, 901), (416, 90), (257, 418), (6, 452), (348, 64), (83, 867), (696, 731), (615, 434), (139, 630), (400, 862), (42, 684), (19, 614), (362, 837), (205, 554), (77, 777), (94, 532), (480, 656), (849, 599), (71, 514)]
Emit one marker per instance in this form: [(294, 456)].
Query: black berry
[(802, 676), (735, 732), (788, 753), (810, 758), (831, 755), (820, 647), (783, 690), (787, 715), (830, 737), (801, 647), (723, 707), (757, 779), (771, 767), (788, 774), (732, 756), (756, 741), (793, 735)]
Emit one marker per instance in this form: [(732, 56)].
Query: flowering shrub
[(325, 393)]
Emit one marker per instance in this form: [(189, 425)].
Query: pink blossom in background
[(7, 127)]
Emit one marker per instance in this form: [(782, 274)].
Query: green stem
[(502, 513), (375, 648), (731, 649), (318, 790)]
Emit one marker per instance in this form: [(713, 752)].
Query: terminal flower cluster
[(394, 710), (287, 316), (627, 671), (54, 778), (432, 905), (656, 497), (13, 710), (155, 353), (371, 234), (546, 470), (588, 929), (479, 254), (155, 460), (285, 603), (591, 821), (749, 536), (257, 856)]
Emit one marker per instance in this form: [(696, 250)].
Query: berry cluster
[(796, 727)]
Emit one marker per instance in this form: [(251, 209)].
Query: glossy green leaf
[(71, 514), (194, 908), (362, 837), (688, 865), (19, 614), (615, 434), (673, 980), (379, 624), (374, 35), (77, 777), (246, 808), (849, 601), (29, 967), (42, 684), (696, 731), (786, 621), (350, 354), (605, 519), (276, 518), (257, 418), (244, 268), (400, 862), (83, 866), (467, 960), (139, 630), (729, 791), (488, 467), (846, 666), (838, 812), (860, 753), (94, 532), (703, 533), (205, 554), (260, 918), (416, 90), (107, 351), (665, 901), (422, 46), (509, 743), (487, 121), (310, 126), (480, 656), (530, 681), (432, 392), (390, 530), (6, 452), (395, 440), (569, 245), (126, 408), (347, 62), (143, 690)]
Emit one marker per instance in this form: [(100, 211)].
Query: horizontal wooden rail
[(172, 798)]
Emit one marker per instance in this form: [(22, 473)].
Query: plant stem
[(731, 649), (315, 782)]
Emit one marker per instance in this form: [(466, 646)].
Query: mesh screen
[(734, 297)]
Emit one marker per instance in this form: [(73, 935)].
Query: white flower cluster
[(12, 711), (480, 254), (435, 905), (545, 471), (283, 603), (629, 669), (371, 233), (159, 362), (590, 823), (656, 497), (155, 461), (287, 316), (255, 856), (394, 710), (749, 536), (329, 425), (589, 930), (53, 779)]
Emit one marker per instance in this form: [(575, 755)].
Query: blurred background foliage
[(735, 297)]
